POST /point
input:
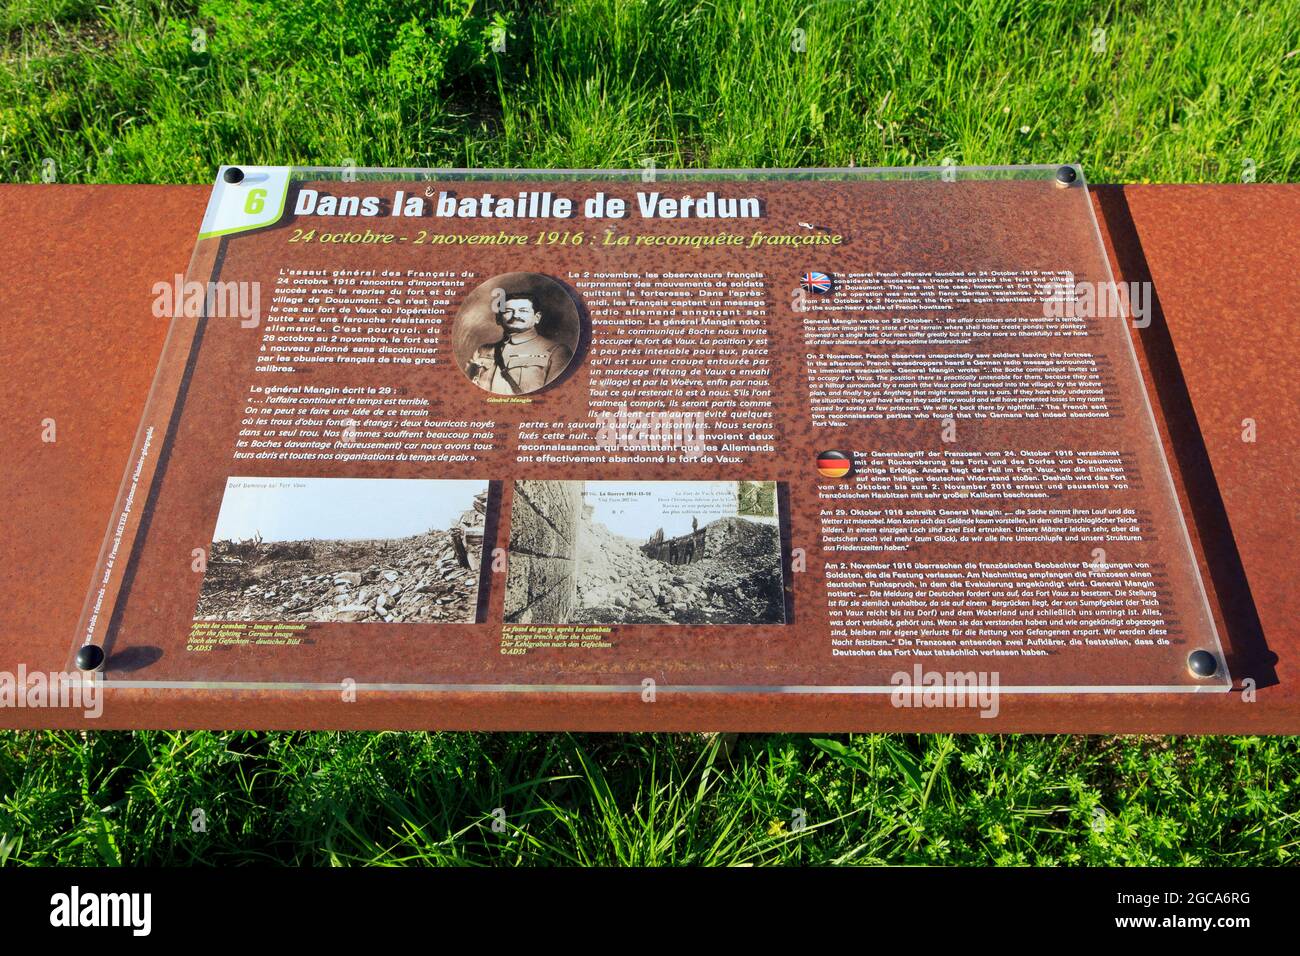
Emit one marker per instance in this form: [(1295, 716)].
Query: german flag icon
[(834, 464)]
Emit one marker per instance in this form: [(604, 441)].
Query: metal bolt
[(90, 657), (1202, 663)]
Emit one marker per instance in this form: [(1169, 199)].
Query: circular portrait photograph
[(516, 333)]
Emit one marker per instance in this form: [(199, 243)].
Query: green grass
[(325, 798), (1164, 91), (121, 92)]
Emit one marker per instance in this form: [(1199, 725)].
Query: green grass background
[(1148, 91)]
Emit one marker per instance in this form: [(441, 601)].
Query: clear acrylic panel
[(727, 430)]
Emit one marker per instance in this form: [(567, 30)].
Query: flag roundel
[(834, 464), (818, 282)]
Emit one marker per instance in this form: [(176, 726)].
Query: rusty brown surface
[(76, 278)]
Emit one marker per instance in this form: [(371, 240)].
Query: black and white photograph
[(645, 552), (517, 333), (381, 550)]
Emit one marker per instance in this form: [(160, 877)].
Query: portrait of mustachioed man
[(516, 333)]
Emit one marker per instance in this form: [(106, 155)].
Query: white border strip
[(857, 689)]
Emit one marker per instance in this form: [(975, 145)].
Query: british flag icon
[(819, 282)]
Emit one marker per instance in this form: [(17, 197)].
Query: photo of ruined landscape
[(645, 552), (342, 549)]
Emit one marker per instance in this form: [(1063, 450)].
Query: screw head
[(1065, 175), (233, 175), (1202, 663), (90, 657)]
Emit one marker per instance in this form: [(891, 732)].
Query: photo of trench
[(645, 552), (350, 550)]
